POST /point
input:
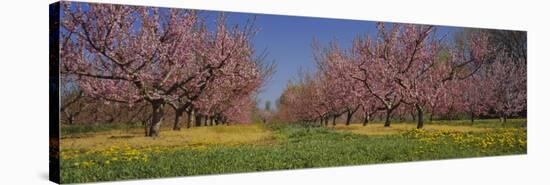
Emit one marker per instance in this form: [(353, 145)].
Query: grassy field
[(119, 154), (200, 136)]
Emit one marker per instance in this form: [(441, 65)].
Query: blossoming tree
[(130, 54)]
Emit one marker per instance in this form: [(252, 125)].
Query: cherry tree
[(377, 69), (129, 54), (342, 91), (430, 81), (401, 66), (291, 105), (509, 85), (302, 101), (239, 112), (241, 82), (410, 69), (319, 101), (477, 99), (72, 100)]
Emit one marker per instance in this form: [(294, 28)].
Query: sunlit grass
[(218, 135), (487, 123), (378, 129)]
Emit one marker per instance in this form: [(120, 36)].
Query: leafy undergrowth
[(293, 147)]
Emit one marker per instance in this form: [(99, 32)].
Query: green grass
[(293, 147)]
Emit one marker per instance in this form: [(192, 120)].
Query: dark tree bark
[(366, 120), (389, 110), (177, 125), (146, 122), (189, 118), (349, 117), (420, 112), (388, 116), (71, 116), (156, 119), (413, 115), (177, 116), (198, 120)]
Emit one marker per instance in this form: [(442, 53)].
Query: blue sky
[(288, 40)]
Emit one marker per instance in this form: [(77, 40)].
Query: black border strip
[(54, 164)]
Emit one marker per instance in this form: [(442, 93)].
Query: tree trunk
[(156, 119), (431, 117), (326, 121), (366, 120), (388, 115), (420, 112), (198, 120), (349, 117), (70, 118), (189, 118), (502, 117), (177, 116), (334, 120), (177, 125), (146, 122)]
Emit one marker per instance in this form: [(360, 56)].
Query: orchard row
[(156, 57), (410, 70)]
